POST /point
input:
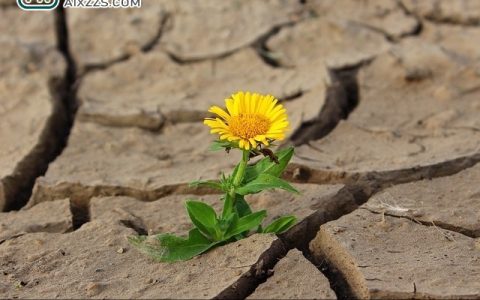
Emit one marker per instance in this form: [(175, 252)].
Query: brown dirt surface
[(96, 30), (298, 45), (418, 108), (37, 219), (387, 257), (236, 23), (429, 201), (459, 12), (150, 89), (89, 263), (385, 16), (104, 160)]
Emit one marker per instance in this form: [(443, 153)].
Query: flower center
[(248, 126)]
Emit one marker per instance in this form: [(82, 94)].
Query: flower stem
[(237, 180), (241, 169)]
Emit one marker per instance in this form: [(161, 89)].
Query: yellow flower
[(250, 119)]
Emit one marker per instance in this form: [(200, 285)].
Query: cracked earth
[(101, 128)]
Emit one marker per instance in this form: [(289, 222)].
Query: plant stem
[(229, 203), (241, 169)]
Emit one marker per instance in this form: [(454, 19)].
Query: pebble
[(93, 288)]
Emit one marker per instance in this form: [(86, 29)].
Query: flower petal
[(217, 110)]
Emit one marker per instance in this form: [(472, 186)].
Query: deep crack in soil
[(345, 201), (303, 174), (417, 30), (81, 195), (338, 283), (258, 273), (18, 188), (341, 99), (266, 54)]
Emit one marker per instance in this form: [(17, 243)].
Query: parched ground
[(101, 132)]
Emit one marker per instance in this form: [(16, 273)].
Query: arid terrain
[(101, 132)]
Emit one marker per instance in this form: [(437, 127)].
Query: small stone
[(338, 229), (93, 288), (121, 250), (297, 173)]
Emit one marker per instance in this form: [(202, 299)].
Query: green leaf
[(280, 225), (221, 145), (234, 173), (214, 184), (203, 216), (241, 209), (263, 182), (245, 223), (170, 248), (241, 206), (266, 166)]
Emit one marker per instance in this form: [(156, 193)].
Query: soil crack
[(338, 283), (260, 45), (392, 38), (54, 136), (342, 98), (80, 211), (348, 199), (257, 274), (185, 61), (82, 194), (446, 226), (303, 174)]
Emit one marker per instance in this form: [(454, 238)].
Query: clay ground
[(101, 131)]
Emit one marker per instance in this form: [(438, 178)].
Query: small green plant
[(253, 121)]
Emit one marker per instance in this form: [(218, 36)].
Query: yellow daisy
[(250, 119)]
